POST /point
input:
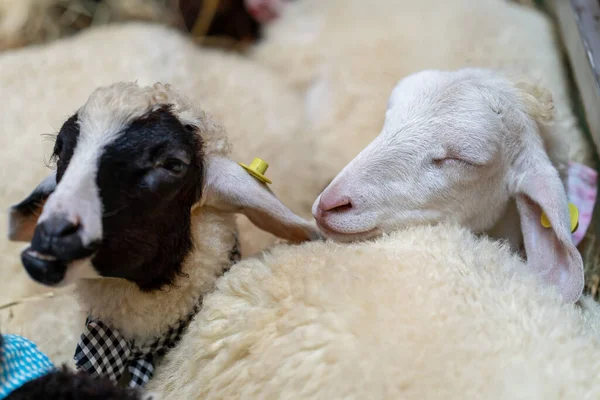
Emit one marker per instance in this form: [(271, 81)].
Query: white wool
[(425, 313)]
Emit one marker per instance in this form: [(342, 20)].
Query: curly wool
[(425, 313)]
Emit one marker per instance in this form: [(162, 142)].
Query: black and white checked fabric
[(103, 351)]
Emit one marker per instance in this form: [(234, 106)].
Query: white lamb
[(469, 146), (424, 313), (140, 215)]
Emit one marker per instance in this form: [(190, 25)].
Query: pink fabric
[(582, 191)]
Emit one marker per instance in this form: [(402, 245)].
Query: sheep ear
[(551, 253), (538, 188), (23, 216), (230, 188)]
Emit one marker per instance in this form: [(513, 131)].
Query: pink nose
[(330, 205)]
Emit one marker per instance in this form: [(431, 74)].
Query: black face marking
[(65, 144), (148, 179)]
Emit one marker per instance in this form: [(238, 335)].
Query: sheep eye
[(451, 160), (174, 166)]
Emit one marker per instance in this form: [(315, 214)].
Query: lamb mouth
[(349, 236), (41, 256), (43, 268)]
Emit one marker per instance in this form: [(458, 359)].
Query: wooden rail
[(579, 26)]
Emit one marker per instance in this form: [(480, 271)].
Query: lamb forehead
[(434, 86), (460, 102), (110, 109)]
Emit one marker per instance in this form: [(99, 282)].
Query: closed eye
[(440, 162)]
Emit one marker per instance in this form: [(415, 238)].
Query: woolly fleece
[(430, 312)]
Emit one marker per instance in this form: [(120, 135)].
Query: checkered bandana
[(103, 351)]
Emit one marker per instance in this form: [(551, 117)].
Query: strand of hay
[(205, 18), (44, 296)]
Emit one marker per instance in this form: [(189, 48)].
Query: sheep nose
[(60, 237), (331, 204), (56, 242), (59, 227)]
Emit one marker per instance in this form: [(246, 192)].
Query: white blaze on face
[(77, 194)]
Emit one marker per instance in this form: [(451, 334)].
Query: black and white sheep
[(140, 214), (262, 117)]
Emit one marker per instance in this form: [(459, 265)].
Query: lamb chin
[(350, 237)]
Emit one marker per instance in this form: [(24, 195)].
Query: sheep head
[(458, 146), (132, 163)]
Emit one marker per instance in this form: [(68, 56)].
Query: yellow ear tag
[(257, 168), (573, 215)]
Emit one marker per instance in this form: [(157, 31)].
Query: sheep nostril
[(343, 208), (60, 227), (340, 204)]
